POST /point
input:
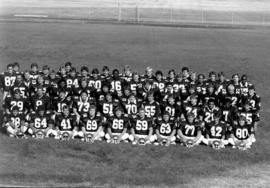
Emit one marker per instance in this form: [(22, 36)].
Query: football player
[(46, 75), (83, 87), (160, 84), (189, 132), (151, 107), (117, 129), (60, 102), (232, 96), (72, 79), (7, 80), (135, 83), (15, 123), (16, 100), (66, 125), (116, 83), (20, 85), (127, 73), (173, 108), (216, 133), (131, 106), (209, 111), (39, 99), (41, 124), (165, 130), (141, 129), (210, 94), (92, 125), (236, 84), (193, 107), (108, 105), (68, 67), (105, 73), (254, 99), (252, 118), (95, 80), (34, 73), (201, 86), (82, 105), (241, 134)]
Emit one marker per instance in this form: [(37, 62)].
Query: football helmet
[(88, 137), (141, 141), (65, 136), (189, 143), (39, 134), (216, 144)]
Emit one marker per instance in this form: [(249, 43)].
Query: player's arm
[(100, 129)]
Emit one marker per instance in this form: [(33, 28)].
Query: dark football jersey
[(165, 128), (241, 132), (160, 85), (22, 103), (151, 109), (255, 102), (190, 129), (141, 126), (83, 106), (251, 117), (134, 86), (95, 83), (216, 131), (117, 125), (131, 108), (7, 80), (72, 82), (65, 123), (107, 108), (174, 110), (40, 122), (20, 86), (92, 124), (33, 77), (208, 114), (40, 101), (16, 120), (196, 110), (59, 104), (228, 115)]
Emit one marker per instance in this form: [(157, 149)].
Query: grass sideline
[(51, 162)]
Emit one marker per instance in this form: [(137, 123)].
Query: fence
[(142, 13)]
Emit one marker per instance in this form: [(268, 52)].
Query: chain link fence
[(141, 13)]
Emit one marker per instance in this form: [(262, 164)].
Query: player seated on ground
[(66, 125), (92, 125), (117, 128), (165, 130), (252, 118), (241, 134), (141, 129), (41, 124), (15, 123), (189, 132), (215, 133)]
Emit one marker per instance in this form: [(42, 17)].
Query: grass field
[(50, 162)]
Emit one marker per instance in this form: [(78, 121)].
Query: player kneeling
[(66, 125), (165, 130), (215, 134), (15, 123), (189, 132), (41, 124), (141, 129), (117, 129), (92, 125), (241, 134)]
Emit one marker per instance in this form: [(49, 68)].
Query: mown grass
[(51, 162)]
